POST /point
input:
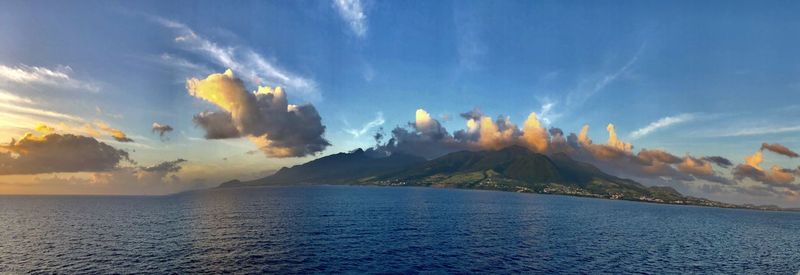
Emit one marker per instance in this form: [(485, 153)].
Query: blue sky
[(722, 76)]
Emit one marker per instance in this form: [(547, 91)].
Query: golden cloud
[(264, 116)]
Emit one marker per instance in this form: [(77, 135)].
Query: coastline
[(591, 196)]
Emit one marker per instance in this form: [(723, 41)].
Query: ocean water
[(324, 229)]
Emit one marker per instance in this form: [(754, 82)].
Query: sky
[(155, 97)]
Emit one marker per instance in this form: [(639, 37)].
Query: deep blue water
[(374, 229)]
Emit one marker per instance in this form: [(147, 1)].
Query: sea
[(357, 229)]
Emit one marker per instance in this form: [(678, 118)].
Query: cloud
[(377, 122), (423, 137), (755, 159), (186, 67), (494, 136), (32, 75), (257, 70), (12, 103), (534, 135), (52, 153), (721, 161), (614, 148), (6, 96), (779, 149), (648, 156), (352, 12), (217, 125), (100, 111), (560, 143), (44, 129), (660, 124), (616, 142), (591, 86), (164, 167), (470, 46), (759, 131), (775, 177), (701, 169), (474, 114), (161, 129), (546, 114), (13, 108), (279, 129), (427, 138), (427, 125), (617, 157), (158, 179), (117, 134)]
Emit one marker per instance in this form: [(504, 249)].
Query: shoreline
[(734, 206)]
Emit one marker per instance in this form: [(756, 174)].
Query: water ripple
[(332, 229)]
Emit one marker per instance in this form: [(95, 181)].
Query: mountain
[(513, 168), (341, 168), (516, 168)]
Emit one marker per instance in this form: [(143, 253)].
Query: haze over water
[(360, 229)]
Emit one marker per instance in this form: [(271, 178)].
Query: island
[(514, 169)]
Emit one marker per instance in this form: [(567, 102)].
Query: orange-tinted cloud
[(427, 138), (775, 177), (497, 136), (534, 135), (779, 149), (44, 129), (117, 134)]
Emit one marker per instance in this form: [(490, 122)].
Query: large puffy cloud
[(534, 135), (58, 153), (264, 117), (497, 135), (424, 137), (428, 126)]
